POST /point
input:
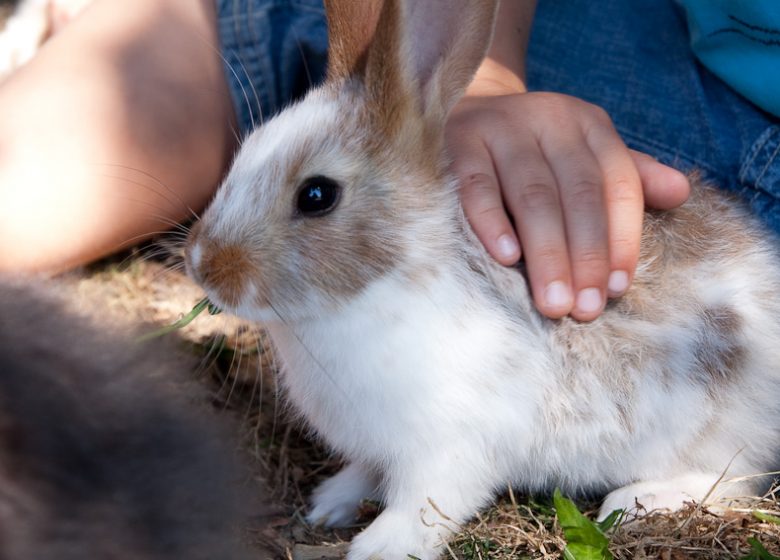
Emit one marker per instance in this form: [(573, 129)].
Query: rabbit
[(423, 362), (101, 456)]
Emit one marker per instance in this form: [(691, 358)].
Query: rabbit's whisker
[(176, 197)]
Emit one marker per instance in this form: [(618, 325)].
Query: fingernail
[(507, 246), (618, 283), (557, 295), (589, 300)]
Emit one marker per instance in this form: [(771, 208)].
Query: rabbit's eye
[(318, 196)]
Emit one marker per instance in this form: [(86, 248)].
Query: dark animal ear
[(426, 51)]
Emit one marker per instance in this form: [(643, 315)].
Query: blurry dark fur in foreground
[(101, 455)]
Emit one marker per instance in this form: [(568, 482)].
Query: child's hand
[(548, 172)]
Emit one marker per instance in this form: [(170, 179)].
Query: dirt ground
[(237, 363)]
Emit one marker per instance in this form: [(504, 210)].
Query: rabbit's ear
[(443, 43), (351, 25), (423, 51)]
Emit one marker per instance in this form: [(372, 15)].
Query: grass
[(188, 318), (526, 530), (240, 368)]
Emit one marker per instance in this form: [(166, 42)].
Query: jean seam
[(762, 141), (766, 167)]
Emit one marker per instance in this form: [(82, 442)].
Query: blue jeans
[(631, 58), (274, 50)]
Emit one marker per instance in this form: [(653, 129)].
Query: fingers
[(532, 196), (624, 202), (481, 198), (574, 191)]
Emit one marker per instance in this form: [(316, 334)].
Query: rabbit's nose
[(222, 269)]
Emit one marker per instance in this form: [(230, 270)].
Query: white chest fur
[(403, 366)]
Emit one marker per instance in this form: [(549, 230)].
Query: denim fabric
[(634, 60), (274, 50), (631, 58)]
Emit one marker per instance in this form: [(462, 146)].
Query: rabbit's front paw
[(336, 501), (396, 536)]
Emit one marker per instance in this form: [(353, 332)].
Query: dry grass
[(512, 530), (241, 370)]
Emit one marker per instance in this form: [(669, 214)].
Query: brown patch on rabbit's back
[(720, 353), (683, 253), (614, 355), (711, 225), (699, 239)]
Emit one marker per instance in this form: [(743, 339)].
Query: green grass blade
[(183, 322), (760, 515), (610, 521)]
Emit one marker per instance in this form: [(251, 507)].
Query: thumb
[(664, 187)]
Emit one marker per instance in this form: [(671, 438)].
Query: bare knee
[(121, 125)]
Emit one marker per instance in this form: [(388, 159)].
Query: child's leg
[(121, 123)]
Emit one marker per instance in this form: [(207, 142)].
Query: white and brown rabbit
[(101, 454), (424, 363)]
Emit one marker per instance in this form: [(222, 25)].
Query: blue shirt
[(739, 41)]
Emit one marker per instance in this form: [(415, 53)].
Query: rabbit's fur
[(422, 361), (103, 452)]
